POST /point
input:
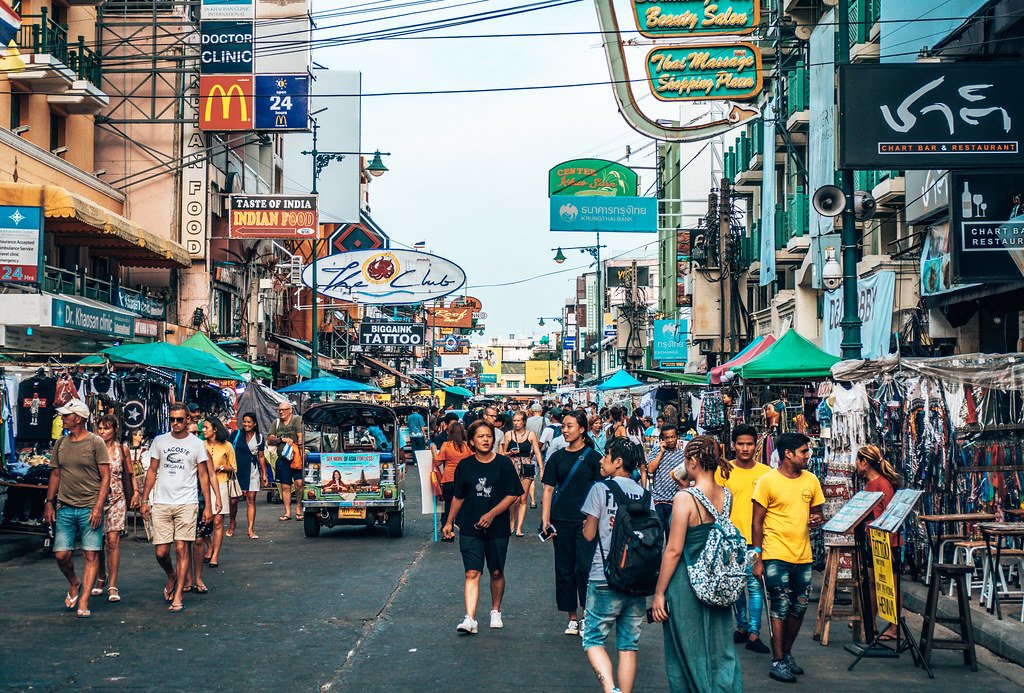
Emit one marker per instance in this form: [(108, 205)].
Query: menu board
[(896, 512), (853, 512)]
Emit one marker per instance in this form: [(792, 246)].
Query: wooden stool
[(957, 575), (828, 611)]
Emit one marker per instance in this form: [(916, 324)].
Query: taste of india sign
[(699, 73), (675, 18)]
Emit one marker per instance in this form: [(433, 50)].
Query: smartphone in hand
[(546, 533)]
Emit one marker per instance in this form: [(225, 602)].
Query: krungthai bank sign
[(226, 102)]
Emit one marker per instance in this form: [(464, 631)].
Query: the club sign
[(698, 73), (385, 277), (390, 334)]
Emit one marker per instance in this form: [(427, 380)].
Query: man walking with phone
[(663, 459), (787, 504)]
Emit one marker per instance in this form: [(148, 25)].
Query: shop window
[(57, 131), (19, 109)]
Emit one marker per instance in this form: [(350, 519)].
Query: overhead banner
[(931, 115), (292, 217), (225, 47), (391, 334), (596, 177), (768, 197), (699, 73), (821, 128), (875, 296), (675, 18), (389, 277), (453, 317), (606, 214), (670, 341), (987, 225), (282, 102), (225, 103), (21, 244)]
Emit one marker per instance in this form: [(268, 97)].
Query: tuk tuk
[(353, 471)]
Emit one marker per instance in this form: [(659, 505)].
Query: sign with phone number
[(21, 251)]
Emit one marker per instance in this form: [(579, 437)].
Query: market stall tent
[(330, 383), (680, 378), (792, 357), (179, 358), (752, 351), (620, 380), (203, 343)]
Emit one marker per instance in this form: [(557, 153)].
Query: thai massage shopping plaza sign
[(597, 177), (699, 73), (675, 18)]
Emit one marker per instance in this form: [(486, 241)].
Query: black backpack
[(633, 559)]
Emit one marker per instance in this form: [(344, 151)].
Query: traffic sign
[(282, 102), (569, 343)]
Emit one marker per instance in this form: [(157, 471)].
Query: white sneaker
[(468, 626), (573, 628), (496, 620), (582, 623)]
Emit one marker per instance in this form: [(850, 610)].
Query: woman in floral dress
[(121, 489)]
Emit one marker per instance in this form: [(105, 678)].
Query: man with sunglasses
[(170, 499), (286, 434)]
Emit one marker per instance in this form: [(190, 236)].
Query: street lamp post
[(595, 252), (561, 345), (320, 161)]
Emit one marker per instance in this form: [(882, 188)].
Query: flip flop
[(254, 536), (186, 588), (229, 534), (83, 613), (176, 608), (113, 594), (202, 589), (886, 638), (520, 534), (69, 601), (168, 595), (284, 517), (97, 589), (214, 565)]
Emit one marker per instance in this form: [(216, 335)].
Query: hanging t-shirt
[(36, 409), (558, 468), (482, 487), (176, 477)]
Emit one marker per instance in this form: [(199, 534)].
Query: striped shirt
[(663, 486)]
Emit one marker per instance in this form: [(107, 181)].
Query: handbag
[(234, 488)]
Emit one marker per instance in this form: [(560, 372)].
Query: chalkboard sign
[(853, 512), (896, 512)]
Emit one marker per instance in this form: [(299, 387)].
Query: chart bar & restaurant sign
[(291, 217)]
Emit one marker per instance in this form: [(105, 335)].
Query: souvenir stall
[(676, 398), (952, 426)]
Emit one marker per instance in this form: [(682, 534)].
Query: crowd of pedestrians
[(666, 488)]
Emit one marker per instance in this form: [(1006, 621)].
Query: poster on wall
[(21, 246), (987, 220), (937, 262)]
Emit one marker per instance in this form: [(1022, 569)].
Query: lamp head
[(559, 256), (541, 322), (376, 166)]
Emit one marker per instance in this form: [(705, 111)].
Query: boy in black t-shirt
[(486, 486)]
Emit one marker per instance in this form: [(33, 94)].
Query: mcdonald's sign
[(225, 102), (282, 102)]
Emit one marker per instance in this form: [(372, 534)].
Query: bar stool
[(827, 609), (957, 575), (964, 554)]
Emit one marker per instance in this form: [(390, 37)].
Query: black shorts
[(285, 474), (476, 549)]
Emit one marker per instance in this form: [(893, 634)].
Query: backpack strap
[(708, 505), (621, 499)]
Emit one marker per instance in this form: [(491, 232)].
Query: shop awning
[(681, 378), (374, 364), (78, 221), (620, 380), (330, 383), (792, 357), (179, 358), (203, 343), (750, 352), (300, 346), (458, 391)]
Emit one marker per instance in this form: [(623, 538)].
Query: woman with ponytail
[(700, 655), (880, 476)]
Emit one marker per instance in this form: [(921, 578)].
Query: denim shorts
[(789, 588), (605, 608), (73, 527)]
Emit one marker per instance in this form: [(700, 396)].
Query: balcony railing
[(864, 14), (40, 35), (78, 283), (798, 89), (867, 180), (797, 214)]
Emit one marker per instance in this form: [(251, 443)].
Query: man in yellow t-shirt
[(741, 482), (787, 503)]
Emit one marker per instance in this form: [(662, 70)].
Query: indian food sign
[(700, 73), (696, 17)]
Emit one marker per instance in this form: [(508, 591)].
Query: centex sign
[(225, 102)]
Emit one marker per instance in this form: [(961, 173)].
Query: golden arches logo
[(225, 101)]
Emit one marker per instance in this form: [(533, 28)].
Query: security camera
[(832, 271), (864, 205)]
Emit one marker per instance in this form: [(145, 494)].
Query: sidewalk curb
[(14, 546), (1002, 638)]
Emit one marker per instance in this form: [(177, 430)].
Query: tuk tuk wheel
[(396, 523), (311, 525)]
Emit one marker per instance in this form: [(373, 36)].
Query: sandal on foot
[(168, 595), (83, 613), (113, 594), (176, 608), (214, 564), (284, 517), (186, 588), (69, 601), (202, 588), (97, 589), (229, 534), (254, 536), (520, 534)]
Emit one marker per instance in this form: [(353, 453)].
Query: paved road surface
[(355, 610)]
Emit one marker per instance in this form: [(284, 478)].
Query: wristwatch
[(48, 500), (757, 550)]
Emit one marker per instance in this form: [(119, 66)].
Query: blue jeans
[(748, 614), (72, 527), (789, 588), (664, 513), (605, 608)]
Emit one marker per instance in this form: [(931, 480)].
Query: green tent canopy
[(792, 357), (179, 358), (681, 378), (203, 343)]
